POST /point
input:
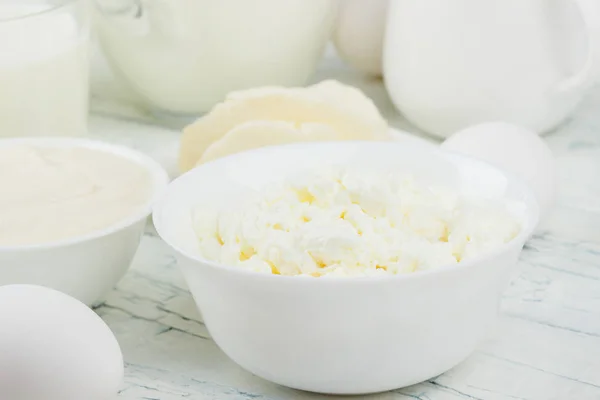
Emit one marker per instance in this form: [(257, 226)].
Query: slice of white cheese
[(254, 134), (342, 109), (349, 99)]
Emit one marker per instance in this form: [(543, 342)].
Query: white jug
[(452, 64)]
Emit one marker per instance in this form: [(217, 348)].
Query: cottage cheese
[(341, 224)]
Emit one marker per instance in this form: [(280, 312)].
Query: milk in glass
[(43, 71)]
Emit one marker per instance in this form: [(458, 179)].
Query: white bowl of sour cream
[(341, 333), (72, 212)]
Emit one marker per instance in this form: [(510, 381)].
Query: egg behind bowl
[(359, 33), (515, 149), (53, 347)]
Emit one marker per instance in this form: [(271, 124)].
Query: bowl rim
[(160, 180), (530, 222)]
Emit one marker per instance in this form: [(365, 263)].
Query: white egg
[(53, 347), (517, 150), (359, 32)]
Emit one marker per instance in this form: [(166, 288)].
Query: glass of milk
[(181, 57), (44, 67)]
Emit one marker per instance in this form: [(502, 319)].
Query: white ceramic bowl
[(350, 335), (85, 267)]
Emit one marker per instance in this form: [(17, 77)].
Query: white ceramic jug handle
[(590, 12)]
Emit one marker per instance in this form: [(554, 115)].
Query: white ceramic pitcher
[(452, 64)]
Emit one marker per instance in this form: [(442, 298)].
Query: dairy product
[(43, 72), (275, 115), (184, 56), (348, 223), (50, 194), (253, 134)]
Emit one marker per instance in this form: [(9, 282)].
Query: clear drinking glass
[(44, 67)]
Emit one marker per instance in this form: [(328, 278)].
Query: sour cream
[(51, 194)]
